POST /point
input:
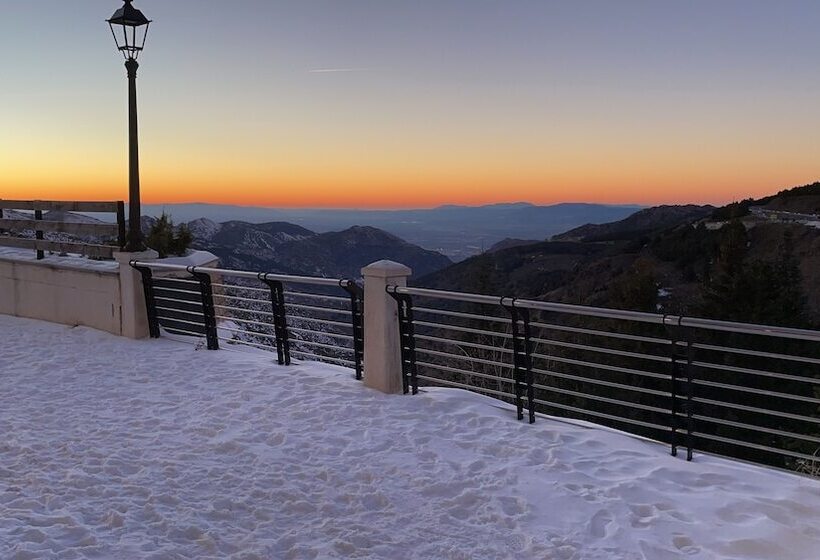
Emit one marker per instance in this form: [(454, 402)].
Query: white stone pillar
[(132, 297), (382, 353)]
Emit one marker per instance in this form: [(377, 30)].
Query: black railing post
[(522, 358), (690, 422), (150, 301), (680, 371), (121, 224), (38, 234), (357, 312), (407, 343), (280, 321), (208, 311)]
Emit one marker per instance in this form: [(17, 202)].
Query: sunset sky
[(382, 103)]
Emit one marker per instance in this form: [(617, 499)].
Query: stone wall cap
[(194, 258), (386, 269), (126, 257)]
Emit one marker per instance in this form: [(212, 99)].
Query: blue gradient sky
[(467, 101)]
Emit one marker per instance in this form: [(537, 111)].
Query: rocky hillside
[(643, 222), (798, 200), (510, 242), (291, 249), (346, 252)]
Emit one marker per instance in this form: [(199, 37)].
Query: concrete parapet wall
[(66, 294)]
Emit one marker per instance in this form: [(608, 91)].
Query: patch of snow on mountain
[(203, 229), (115, 448)]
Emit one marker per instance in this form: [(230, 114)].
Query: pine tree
[(166, 239)]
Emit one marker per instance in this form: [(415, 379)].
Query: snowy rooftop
[(114, 448)]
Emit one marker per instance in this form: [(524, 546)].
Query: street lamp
[(130, 28)]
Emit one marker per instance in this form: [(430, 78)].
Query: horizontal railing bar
[(174, 310), (756, 353), (324, 358), (753, 428), (755, 410), (296, 318), (441, 294), (750, 328), (466, 386), (601, 350), (322, 333), (322, 309), (159, 279), (462, 343), (317, 296), (241, 310), (757, 446), (597, 365), (461, 315), (320, 345), (250, 333), (460, 329), (609, 400), (450, 355), (163, 298), (173, 320), (589, 311), (164, 289), (596, 414), (246, 274), (59, 205), (449, 369), (759, 372), (594, 332), (603, 383), (754, 391), (238, 298), (248, 321), (240, 287)]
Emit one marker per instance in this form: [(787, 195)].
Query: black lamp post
[(130, 28)]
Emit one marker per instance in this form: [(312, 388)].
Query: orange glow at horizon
[(401, 193), (422, 106)]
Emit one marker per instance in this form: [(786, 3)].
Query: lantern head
[(130, 29)]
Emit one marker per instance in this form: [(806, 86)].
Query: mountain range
[(736, 262), (287, 248), (455, 231)]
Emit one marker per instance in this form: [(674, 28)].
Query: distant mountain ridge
[(456, 231)]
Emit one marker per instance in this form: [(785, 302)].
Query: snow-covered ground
[(156, 449)]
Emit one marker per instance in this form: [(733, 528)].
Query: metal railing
[(322, 319), (743, 390)]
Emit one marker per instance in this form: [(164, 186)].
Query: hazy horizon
[(392, 209)]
